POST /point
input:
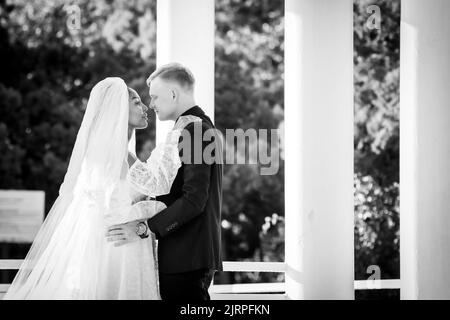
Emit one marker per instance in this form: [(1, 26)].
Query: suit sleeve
[(195, 189)]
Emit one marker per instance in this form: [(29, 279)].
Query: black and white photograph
[(198, 150)]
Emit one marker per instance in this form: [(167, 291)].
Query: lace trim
[(155, 177), (147, 209)]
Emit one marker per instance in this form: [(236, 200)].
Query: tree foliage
[(249, 94), (376, 74)]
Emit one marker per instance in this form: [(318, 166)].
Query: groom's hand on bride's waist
[(132, 231)]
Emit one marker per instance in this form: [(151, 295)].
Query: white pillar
[(425, 150), (185, 34), (319, 149)]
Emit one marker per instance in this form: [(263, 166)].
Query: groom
[(188, 230)]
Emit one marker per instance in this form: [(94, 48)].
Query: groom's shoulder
[(191, 122), (187, 120)]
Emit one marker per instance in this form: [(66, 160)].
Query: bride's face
[(137, 117)]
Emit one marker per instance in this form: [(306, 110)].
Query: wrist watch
[(142, 230)]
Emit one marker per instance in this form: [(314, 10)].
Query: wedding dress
[(135, 263), (71, 257)]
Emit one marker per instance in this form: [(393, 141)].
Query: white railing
[(244, 291), (7, 265), (377, 284), (10, 264), (250, 291)]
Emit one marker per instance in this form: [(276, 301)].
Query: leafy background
[(49, 69)]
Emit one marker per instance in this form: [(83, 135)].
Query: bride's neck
[(130, 133)]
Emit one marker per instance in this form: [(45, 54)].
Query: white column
[(425, 150), (185, 34), (319, 149)]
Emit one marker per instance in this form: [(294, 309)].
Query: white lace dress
[(135, 263)]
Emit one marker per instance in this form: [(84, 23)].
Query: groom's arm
[(195, 190)]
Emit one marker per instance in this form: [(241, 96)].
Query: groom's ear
[(174, 93)]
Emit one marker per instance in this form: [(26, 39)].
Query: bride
[(104, 185)]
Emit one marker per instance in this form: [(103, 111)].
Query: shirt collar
[(194, 111)]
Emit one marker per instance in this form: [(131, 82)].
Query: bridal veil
[(63, 261)]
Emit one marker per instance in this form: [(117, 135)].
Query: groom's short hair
[(175, 72)]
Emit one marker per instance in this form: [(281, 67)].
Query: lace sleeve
[(146, 209), (155, 176)]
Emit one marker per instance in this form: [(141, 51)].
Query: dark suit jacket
[(189, 229)]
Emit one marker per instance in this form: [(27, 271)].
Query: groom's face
[(163, 100)]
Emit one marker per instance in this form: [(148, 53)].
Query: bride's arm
[(155, 176)]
